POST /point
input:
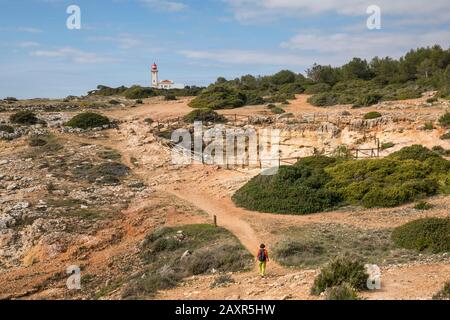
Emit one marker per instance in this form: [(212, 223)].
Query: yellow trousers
[(262, 268)]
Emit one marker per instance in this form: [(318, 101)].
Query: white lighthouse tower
[(155, 81), (165, 84)]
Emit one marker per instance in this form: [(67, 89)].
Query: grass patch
[(343, 291), (209, 248), (428, 234), (109, 154), (313, 245)]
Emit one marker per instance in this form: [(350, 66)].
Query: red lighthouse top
[(154, 67)]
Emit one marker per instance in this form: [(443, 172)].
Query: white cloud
[(367, 44), (72, 54), (248, 57), (251, 10), (123, 40), (164, 5)]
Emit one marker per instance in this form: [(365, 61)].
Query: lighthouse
[(165, 84), (155, 81)]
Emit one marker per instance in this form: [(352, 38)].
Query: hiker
[(262, 257)]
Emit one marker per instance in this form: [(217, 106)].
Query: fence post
[(215, 220)]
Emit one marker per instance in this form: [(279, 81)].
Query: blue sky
[(195, 41)]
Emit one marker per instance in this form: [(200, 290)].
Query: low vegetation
[(275, 109), (444, 120), (205, 115), (372, 115), (344, 269), (423, 205), (88, 120), (138, 92), (343, 291), (427, 234), (222, 281), (6, 128), (169, 258), (320, 183), (387, 145), (24, 118), (444, 293), (445, 136)]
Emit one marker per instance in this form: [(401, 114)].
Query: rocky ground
[(89, 198)]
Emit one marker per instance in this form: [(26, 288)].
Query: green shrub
[(170, 97), (444, 120), (206, 115), (319, 183), (137, 92), (423, 205), (24, 117), (432, 100), (297, 189), (387, 145), (11, 99), (87, 120), (318, 88), (139, 101), (343, 291), (219, 97), (428, 234), (275, 109), (114, 102), (445, 136), (6, 128), (369, 99), (444, 293), (414, 152), (440, 151), (428, 126), (323, 99), (372, 115), (343, 269)]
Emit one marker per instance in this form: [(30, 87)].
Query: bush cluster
[(428, 234), (24, 118), (87, 120), (343, 269), (319, 183), (205, 115)]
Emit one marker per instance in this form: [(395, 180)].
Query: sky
[(195, 41)]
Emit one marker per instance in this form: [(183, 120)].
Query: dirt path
[(251, 228)]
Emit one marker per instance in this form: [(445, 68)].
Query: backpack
[(261, 255)]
